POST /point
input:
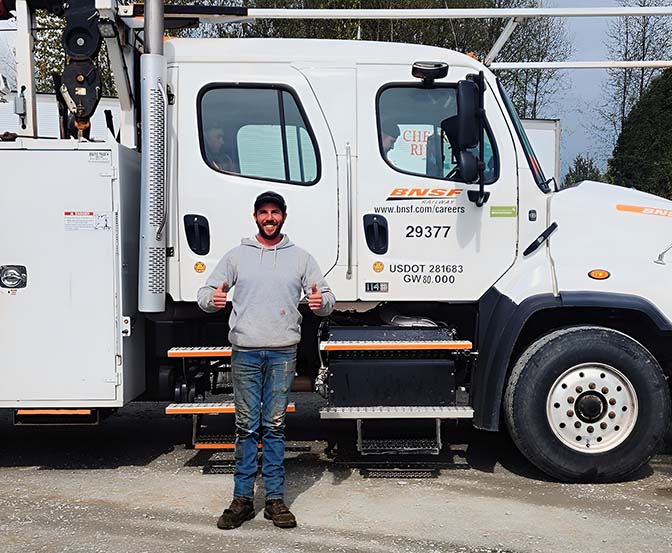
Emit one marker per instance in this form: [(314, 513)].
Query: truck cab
[(307, 119)]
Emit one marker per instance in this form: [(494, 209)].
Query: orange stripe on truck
[(174, 353), (226, 447), (53, 412), (398, 346), (291, 408)]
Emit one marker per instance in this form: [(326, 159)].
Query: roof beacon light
[(429, 71)]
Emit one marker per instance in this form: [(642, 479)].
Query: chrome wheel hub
[(592, 408)]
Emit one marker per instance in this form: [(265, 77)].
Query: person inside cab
[(389, 132), (214, 148)]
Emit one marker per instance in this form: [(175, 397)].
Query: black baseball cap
[(270, 197)]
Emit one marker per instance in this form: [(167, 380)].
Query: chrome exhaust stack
[(153, 203)]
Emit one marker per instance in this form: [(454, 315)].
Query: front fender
[(501, 323)]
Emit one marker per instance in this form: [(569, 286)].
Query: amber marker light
[(599, 274)]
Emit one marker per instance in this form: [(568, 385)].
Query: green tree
[(583, 168), (630, 39), (642, 157), (534, 40)]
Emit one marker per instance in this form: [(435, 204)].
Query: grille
[(157, 274), (157, 160)]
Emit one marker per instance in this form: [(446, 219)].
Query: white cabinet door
[(58, 333)]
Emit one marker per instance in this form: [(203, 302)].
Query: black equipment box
[(391, 382)]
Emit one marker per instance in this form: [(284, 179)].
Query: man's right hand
[(219, 297)]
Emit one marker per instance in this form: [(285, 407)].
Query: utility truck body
[(468, 285)]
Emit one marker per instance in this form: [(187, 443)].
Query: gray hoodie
[(269, 283)]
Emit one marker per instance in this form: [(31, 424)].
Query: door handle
[(376, 233), (197, 229), (348, 176)]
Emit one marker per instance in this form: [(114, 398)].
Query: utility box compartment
[(69, 217), (391, 382)]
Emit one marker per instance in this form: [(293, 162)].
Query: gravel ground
[(131, 485)]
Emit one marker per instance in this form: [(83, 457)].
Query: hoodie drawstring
[(275, 255), (283, 244)]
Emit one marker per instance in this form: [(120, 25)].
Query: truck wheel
[(587, 404)]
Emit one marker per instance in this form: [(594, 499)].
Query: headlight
[(13, 276)]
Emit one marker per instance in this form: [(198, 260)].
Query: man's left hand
[(315, 298)]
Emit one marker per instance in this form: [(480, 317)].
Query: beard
[(265, 235)]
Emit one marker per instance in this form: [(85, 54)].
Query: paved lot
[(130, 485)]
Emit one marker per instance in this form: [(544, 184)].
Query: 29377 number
[(427, 231)]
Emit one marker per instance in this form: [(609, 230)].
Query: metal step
[(399, 473), (219, 442), (401, 412), (399, 446), (213, 408), (227, 442), (395, 345), (199, 352), (219, 467)]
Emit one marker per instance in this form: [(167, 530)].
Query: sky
[(575, 107)]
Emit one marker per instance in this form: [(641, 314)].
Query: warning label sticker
[(99, 157), (86, 220)]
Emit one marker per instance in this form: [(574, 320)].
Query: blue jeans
[(261, 384)]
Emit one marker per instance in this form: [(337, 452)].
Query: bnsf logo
[(420, 193), (660, 212), (656, 211)]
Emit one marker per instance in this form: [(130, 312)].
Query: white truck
[(468, 286)]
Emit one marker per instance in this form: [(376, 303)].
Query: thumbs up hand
[(315, 298), (219, 297)]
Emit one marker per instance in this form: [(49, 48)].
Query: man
[(389, 132), (270, 275), (214, 148)]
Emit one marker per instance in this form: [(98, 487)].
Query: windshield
[(532, 160)]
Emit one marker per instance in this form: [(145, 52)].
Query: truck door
[(419, 235), (245, 129)]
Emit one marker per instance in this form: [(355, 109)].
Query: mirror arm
[(482, 195)]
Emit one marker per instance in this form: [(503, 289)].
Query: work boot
[(277, 511), (239, 511)]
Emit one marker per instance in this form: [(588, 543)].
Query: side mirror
[(468, 165), (468, 114)]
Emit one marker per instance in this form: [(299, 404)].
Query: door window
[(410, 135), (257, 132)]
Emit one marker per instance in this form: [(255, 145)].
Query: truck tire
[(587, 404)]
